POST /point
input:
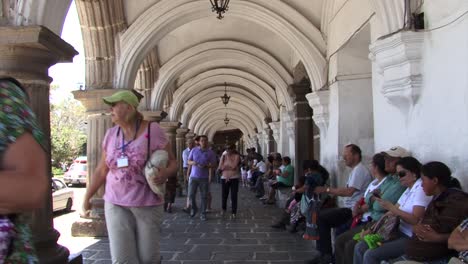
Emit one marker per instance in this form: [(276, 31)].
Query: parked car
[(77, 173), (62, 196)]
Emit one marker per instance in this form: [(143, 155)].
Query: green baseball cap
[(126, 96)]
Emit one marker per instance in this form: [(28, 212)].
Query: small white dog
[(158, 159)]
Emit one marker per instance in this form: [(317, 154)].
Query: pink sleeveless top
[(127, 186)]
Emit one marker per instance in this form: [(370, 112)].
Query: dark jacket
[(444, 213)]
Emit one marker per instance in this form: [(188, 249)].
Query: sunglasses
[(402, 174)]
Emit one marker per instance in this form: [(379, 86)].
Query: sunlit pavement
[(63, 222), (246, 239)]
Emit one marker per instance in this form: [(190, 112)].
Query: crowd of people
[(397, 210)]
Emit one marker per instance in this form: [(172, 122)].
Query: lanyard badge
[(122, 161)]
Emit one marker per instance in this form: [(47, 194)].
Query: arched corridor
[(305, 78)]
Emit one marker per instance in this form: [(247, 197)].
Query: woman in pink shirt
[(229, 165), (133, 212)]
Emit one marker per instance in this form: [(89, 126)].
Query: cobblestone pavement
[(246, 239)]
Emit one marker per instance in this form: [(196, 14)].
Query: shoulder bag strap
[(149, 140)]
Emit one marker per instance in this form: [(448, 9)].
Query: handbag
[(158, 158), (387, 227)]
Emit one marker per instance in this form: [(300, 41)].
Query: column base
[(95, 225), (89, 228)]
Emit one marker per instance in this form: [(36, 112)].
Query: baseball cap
[(397, 152), (126, 96)]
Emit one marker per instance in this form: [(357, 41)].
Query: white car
[(76, 174), (62, 196)]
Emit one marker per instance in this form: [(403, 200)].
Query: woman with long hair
[(133, 212), (447, 210), (229, 165)]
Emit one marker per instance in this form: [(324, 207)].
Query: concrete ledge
[(282, 195), (89, 228)]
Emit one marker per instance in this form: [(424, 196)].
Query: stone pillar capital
[(190, 135), (154, 116), (92, 100), (170, 126), (36, 45), (319, 102), (399, 59), (182, 132)]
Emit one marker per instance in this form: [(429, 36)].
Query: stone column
[(180, 146), (276, 133), (270, 146), (98, 123), (170, 128), (303, 126), (26, 53)]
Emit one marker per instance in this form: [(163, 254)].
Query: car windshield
[(78, 167)]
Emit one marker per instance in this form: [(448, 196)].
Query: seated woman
[(284, 179), (410, 208), (458, 241), (445, 212), (385, 186)]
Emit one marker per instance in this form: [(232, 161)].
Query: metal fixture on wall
[(226, 120), (220, 7), (225, 98)]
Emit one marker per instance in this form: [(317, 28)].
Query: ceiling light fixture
[(220, 7), (226, 120), (225, 98)]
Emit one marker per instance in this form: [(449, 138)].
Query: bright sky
[(69, 76)]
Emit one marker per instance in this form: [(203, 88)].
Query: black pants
[(344, 245), (233, 185), (328, 219)]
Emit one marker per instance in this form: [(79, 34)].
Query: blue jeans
[(389, 250), (194, 184)]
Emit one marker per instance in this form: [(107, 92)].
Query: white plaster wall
[(351, 121), (310, 9), (229, 28), (436, 128), (133, 9)]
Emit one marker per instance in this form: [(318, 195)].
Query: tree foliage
[(68, 131)]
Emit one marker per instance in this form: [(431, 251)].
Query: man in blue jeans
[(202, 160)]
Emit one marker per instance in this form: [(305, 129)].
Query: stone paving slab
[(246, 239)]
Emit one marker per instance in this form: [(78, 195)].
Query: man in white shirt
[(357, 183)]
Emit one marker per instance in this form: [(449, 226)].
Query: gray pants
[(194, 184), (389, 250), (134, 233)]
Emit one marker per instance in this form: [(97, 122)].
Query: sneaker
[(169, 210), (203, 217), (207, 211), (223, 213), (186, 210), (233, 216)]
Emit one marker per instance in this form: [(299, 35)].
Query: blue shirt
[(202, 158), (185, 155)]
